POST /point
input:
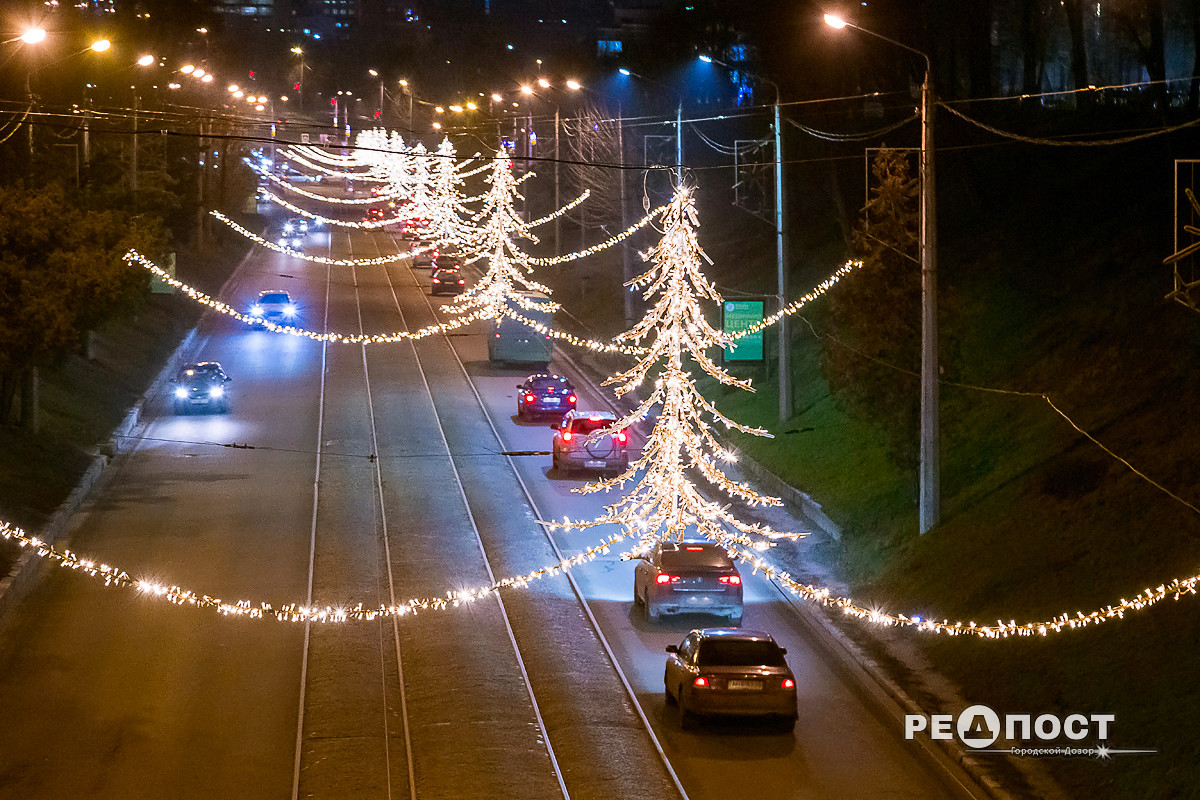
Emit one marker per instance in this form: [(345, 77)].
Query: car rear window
[(704, 558), (586, 425), (277, 297), (739, 653), (447, 263), (547, 383)]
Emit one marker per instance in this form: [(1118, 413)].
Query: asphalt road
[(377, 475)]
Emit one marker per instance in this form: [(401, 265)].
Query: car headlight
[(216, 391), (282, 241), (181, 392), (256, 310), (289, 310), (287, 228)]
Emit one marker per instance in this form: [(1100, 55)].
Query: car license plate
[(745, 686), (199, 400), (595, 464), (551, 401)]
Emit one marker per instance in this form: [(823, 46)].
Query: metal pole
[(87, 142), (679, 143), (930, 506), (557, 203), (133, 165), (785, 344), (626, 267), (29, 122)]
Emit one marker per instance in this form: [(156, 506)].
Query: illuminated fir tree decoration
[(666, 503), (449, 219), (509, 272)]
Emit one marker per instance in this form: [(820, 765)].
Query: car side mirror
[(519, 386), (783, 651), (553, 427), (672, 648)]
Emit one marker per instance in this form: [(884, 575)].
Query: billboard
[(738, 315)]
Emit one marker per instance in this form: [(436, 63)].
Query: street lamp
[(407, 91), (930, 470), (781, 269), (678, 120), (375, 74)]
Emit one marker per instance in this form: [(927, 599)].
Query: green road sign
[(740, 315)]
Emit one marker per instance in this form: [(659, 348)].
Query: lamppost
[(678, 120), (781, 270), (375, 74), (300, 83), (31, 36), (408, 91), (930, 470)]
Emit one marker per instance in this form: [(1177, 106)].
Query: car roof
[(547, 376), (266, 292), (577, 414), (734, 634)]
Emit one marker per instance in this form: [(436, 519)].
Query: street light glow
[(33, 35), (834, 21), (707, 59), (100, 45), (198, 73), (471, 105), (623, 71), (373, 73), (542, 82), (497, 97), (206, 79), (187, 69), (233, 87), (403, 82), (456, 109), (145, 60), (574, 85), (526, 89), (297, 50), (437, 126), (238, 94)]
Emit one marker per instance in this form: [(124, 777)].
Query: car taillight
[(700, 682), (788, 683), (437, 280), (662, 580), (529, 398), (621, 437), (461, 282), (566, 436), (731, 580), (571, 399)]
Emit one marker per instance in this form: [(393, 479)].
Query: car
[(577, 445), (201, 385), (413, 228), (373, 215), (425, 254), (290, 241), (688, 578), (543, 393), (447, 280), (296, 225), (274, 305), (730, 672)]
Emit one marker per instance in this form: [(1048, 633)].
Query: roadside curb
[(23, 575)]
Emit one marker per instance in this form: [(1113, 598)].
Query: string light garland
[(136, 258), (371, 224), (346, 201), (339, 262), (293, 612), (553, 214), (596, 248), (447, 213), (823, 287), (665, 503), (288, 155)]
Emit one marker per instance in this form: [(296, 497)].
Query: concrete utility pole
[(133, 160), (557, 204), (930, 471), (626, 266)]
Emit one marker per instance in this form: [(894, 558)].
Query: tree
[(61, 274), (876, 314)]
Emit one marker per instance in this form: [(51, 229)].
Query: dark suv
[(543, 393), (201, 385), (447, 280)]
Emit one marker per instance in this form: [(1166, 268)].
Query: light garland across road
[(333, 172), (596, 248), (371, 224), (340, 262), (345, 201)]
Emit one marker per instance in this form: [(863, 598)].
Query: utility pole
[(781, 275), (133, 161), (557, 204), (930, 504), (626, 267), (679, 143)]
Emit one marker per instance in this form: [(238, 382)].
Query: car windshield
[(275, 297), (702, 558), (739, 653), (586, 425)]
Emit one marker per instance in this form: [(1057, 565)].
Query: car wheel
[(520, 412)]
